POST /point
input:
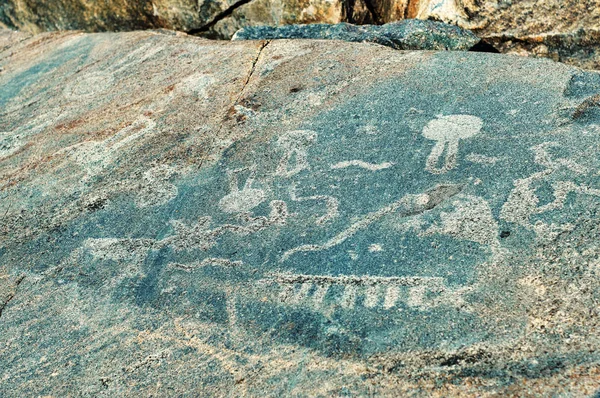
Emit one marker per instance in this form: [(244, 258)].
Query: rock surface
[(411, 34), (564, 30), (312, 218)]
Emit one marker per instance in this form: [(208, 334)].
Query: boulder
[(182, 216), (410, 34), (563, 30)]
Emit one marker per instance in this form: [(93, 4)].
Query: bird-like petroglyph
[(447, 131), (295, 147)]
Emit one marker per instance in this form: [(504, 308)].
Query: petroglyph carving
[(196, 84), (154, 188), (482, 159), (361, 164), (95, 156), (471, 219), (447, 131), (214, 261), (295, 146), (89, 85), (522, 202), (331, 204), (372, 291), (241, 200), (407, 206), (198, 236)]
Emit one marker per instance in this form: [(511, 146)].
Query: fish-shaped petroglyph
[(295, 146), (348, 291), (447, 131), (408, 205), (241, 200)]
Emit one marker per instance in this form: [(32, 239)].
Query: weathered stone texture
[(294, 218), (566, 31), (411, 34)]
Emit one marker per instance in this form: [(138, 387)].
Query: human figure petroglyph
[(295, 146), (331, 204), (241, 200), (406, 206), (376, 291), (522, 202), (447, 131)]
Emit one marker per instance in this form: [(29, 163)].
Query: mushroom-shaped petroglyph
[(241, 200), (295, 144), (447, 131)]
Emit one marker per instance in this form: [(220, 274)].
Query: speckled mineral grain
[(181, 217)]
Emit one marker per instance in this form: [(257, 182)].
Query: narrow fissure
[(12, 295)]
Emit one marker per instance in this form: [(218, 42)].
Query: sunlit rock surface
[(182, 217), (411, 34), (563, 30)]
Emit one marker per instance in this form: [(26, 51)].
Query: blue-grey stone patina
[(186, 217), (409, 34)]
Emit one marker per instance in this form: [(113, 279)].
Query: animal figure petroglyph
[(241, 200), (522, 202), (406, 206), (95, 156), (447, 131), (320, 291), (198, 236), (295, 146), (331, 204)]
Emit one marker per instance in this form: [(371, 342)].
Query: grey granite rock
[(183, 217), (412, 34)]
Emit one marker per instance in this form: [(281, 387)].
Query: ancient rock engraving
[(523, 203), (447, 131), (322, 291), (295, 146), (241, 200), (407, 206)]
